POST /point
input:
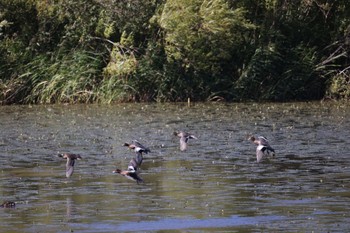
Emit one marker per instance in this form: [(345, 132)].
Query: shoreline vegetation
[(104, 51)]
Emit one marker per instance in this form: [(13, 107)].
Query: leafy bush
[(171, 50), (339, 87)]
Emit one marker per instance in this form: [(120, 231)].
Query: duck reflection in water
[(70, 162), (69, 208), (263, 147)]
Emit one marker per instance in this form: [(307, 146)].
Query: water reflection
[(70, 209), (179, 224), (215, 183)]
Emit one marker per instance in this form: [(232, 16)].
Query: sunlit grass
[(70, 78)]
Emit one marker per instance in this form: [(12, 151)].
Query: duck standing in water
[(139, 149), (263, 147), (70, 162), (184, 139)]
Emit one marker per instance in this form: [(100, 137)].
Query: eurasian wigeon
[(130, 175), (184, 139), (137, 147), (263, 147), (70, 162)]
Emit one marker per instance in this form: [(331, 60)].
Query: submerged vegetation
[(171, 50)]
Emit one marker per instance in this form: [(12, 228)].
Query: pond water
[(216, 185)]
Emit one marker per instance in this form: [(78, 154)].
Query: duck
[(70, 162), (8, 204), (184, 136), (135, 163), (137, 147), (139, 150), (263, 147), (130, 174)]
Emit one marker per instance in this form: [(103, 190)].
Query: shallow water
[(216, 185)]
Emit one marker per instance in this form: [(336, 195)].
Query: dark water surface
[(215, 186)]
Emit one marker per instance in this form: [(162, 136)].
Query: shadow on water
[(215, 185)]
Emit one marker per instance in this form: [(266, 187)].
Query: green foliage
[(202, 34), (168, 82), (122, 66), (122, 63), (130, 15), (170, 50), (260, 74), (70, 78), (105, 26), (205, 39), (339, 87), (17, 26), (113, 89), (273, 75)]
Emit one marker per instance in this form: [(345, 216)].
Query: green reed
[(64, 78)]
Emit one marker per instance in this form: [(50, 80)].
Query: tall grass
[(65, 78), (113, 89)]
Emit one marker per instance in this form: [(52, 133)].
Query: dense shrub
[(171, 50)]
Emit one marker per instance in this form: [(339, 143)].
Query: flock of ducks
[(135, 163), (263, 148)]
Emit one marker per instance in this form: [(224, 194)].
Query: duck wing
[(70, 167), (132, 166), (140, 148), (263, 141), (135, 177), (191, 136), (139, 158), (260, 152), (183, 143)]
